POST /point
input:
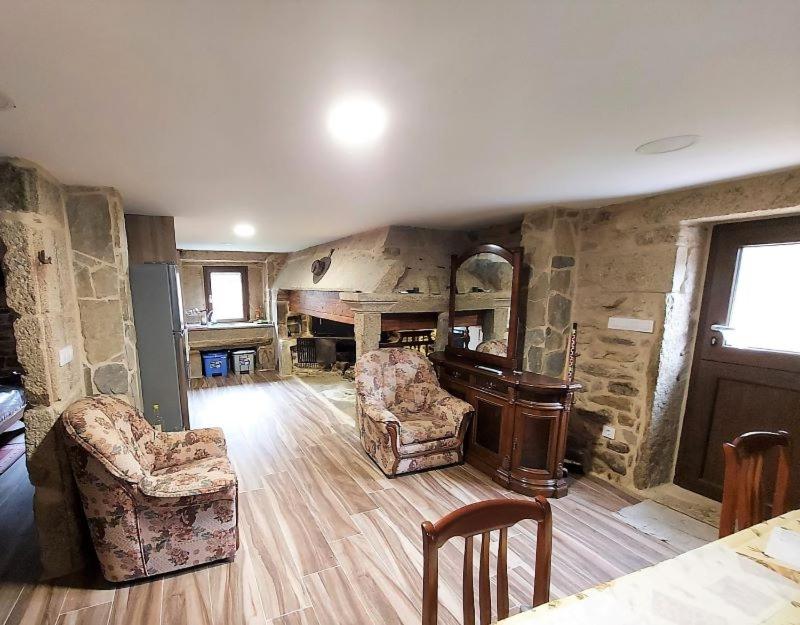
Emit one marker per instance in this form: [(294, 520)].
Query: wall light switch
[(65, 355), (609, 431), (634, 325)]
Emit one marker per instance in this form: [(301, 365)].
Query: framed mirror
[(484, 306)]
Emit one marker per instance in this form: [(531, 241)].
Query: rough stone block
[(111, 379), (90, 225), (101, 323), (559, 311), (106, 282), (623, 388)]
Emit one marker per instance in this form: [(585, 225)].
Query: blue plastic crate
[(215, 364)]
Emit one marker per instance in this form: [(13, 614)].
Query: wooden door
[(533, 451), (746, 369), (490, 432)]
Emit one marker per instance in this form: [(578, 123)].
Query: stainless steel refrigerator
[(161, 343)]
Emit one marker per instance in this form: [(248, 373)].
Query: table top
[(727, 581)]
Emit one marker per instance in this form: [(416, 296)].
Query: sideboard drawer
[(491, 385), (458, 374)]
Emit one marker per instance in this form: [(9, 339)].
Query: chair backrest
[(114, 432), (391, 373), (743, 501), (482, 518)]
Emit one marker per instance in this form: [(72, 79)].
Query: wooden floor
[(326, 538)]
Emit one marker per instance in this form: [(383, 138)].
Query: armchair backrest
[(393, 376), (113, 432)]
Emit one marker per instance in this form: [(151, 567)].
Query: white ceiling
[(214, 112)]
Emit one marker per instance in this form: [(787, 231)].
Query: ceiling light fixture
[(357, 120), (668, 144), (6, 103), (244, 230)]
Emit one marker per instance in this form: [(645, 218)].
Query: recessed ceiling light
[(6, 103), (357, 120), (244, 230), (668, 144)]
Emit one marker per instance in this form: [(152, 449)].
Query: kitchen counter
[(230, 336), (226, 325)]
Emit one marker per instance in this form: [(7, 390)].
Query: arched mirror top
[(484, 290)]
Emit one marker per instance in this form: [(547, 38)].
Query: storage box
[(244, 361), (215, 364)]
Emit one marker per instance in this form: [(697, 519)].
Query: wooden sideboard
[(519, 430)]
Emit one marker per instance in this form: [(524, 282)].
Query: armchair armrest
[(177, 448), (444, 406), (377, 412), (211, 475)]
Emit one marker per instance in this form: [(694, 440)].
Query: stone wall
[(100, 260), (645, 259), (9, 363), (41, 292), (42, 266), (549, 237)]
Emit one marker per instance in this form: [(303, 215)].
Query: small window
[(226, 293), (765, 306)]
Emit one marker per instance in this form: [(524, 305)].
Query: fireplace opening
[(324, 344)]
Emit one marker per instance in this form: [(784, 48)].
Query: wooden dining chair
[(743, 502), (482, 518)]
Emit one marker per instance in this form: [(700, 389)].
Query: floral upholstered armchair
[(154, 501), (406, 420)]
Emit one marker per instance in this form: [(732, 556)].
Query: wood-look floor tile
[(352, 496), (331, 516), (138, 603), (235, 599), (310, 551), (279, 584), (187, 598), (92, 615), (334, 599), (362, 470), (9, 593), (38, 604), (381, 594), (306, 616), (85, 592)]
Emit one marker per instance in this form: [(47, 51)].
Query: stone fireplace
[(387, 280)]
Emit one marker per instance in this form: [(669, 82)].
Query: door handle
[(722, 329)]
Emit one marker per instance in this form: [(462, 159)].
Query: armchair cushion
[(424, 430), (177, 448)]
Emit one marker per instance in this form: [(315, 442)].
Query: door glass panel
[(535, 442), (488, 421), (765, 302)]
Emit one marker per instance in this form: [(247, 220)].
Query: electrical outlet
[(609, 431)]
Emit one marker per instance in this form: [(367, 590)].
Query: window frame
[(242, 271)]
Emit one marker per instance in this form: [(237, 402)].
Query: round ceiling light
[(668, 144), (357, 121), (6, 103), (244, 230)]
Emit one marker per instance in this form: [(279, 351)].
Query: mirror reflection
[(482, 304)]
